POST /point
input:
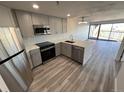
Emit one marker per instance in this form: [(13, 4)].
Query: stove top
[(44, 45)]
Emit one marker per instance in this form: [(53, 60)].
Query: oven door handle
[(42, 50)]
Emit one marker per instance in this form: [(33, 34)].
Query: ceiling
[(75, 8)]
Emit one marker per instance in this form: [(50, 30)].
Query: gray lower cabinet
[(77, 54), (57, 49), (66, 49), (36, 57), (72, 51)]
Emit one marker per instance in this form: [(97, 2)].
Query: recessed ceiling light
[(68, 15), (35, 6)]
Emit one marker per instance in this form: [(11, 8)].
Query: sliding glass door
[(94, 29), (117, 32), (113, 32), (105, 31)]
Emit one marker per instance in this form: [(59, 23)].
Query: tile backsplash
[(42, 38), (53, 38)]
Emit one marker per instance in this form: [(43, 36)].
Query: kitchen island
[(79, 51)]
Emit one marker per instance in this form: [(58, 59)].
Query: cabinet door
[(39, 19), (57, 47), (55, 25), (52, 25), (66, 49), (6, 18), (77, 54), (58, 25), (64, 25), (25, 23)]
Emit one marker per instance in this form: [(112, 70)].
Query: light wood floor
[(63, 74)]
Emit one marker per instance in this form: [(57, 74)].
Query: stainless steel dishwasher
[(77, 54)]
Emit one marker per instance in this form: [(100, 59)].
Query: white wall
[(82, 32), (79, 31)]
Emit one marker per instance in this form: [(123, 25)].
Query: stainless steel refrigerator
[(14, 65)]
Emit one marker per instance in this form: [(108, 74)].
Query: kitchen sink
[(69, 41)]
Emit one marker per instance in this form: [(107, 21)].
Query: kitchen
[(37, 46), (57, 26)]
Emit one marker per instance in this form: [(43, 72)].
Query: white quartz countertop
[(32, 48), (78, 43), (57, 41)]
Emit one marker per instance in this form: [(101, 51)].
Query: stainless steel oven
[(47, 53), (47, 50)]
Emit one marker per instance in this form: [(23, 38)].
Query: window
[(117, 32), (94, 31), (107, 31)]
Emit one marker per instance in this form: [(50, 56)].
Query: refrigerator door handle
[(5, 60)]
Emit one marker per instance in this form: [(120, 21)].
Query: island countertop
[(80, 43)]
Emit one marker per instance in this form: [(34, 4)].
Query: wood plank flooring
[(64, 75)]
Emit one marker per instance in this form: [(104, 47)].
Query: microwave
[(41, 29)]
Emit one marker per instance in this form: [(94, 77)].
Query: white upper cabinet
[(25, 23), (55, 25), (64, 25), (6, 18), (58, 25), (39, 19), (52, 25)]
